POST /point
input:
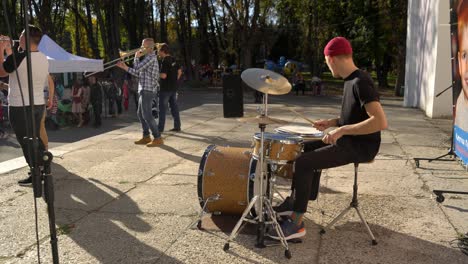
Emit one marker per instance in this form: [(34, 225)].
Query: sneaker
[(156, 142), (143, 141), (285, 208), (290, 230), (26, 182), (175, 129)]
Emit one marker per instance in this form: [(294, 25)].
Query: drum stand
[(265, 210)]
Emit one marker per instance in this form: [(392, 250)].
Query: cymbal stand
[(262, 203)]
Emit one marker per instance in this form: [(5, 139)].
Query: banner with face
[(459, 40)]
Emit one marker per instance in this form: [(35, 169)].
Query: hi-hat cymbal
[(266, 81), (262, 120)]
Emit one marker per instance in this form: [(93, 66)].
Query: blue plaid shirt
[(147, 72)]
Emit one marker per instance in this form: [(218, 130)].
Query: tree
[(245, 20)]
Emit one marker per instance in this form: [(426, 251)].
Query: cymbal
[(266, 81), (262, 120)]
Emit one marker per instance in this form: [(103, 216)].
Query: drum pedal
[(202, 213)]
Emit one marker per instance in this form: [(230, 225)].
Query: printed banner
[(459, 40)]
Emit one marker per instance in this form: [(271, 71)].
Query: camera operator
[(15, 66)]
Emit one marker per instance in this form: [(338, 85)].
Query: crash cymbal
[(266, 81), (262, 120)]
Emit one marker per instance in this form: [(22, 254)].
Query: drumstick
[(301, 115)]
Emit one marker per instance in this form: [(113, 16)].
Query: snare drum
[(278, 148), (229, 173), (306, 132)]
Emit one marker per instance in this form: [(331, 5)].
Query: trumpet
[(125, 56)]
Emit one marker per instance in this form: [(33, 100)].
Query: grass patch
[(65, 229)]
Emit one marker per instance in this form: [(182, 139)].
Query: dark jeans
[(164, 98), (317, 156), (97, 110), (19, 123), (144, 114)]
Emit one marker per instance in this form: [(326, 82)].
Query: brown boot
[(143, 141), (156, 142)]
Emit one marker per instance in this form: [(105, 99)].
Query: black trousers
[(317, 156), (97, 110), (19, 122), (299, 86)]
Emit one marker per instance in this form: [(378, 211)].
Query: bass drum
[(231, 174)]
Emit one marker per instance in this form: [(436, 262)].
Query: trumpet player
[(15, 66), (147, 71)]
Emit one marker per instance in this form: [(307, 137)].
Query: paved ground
[(121, 203)]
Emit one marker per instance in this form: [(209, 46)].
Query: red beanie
[(338, 46)]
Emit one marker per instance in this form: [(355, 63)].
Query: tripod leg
[(278, 229), (448, 154), (335, 220), (239, 223), (374, 242), (49, 198)]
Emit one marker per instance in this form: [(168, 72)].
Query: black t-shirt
[(169, 66), (358, 90)]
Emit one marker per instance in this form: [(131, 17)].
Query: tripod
[(48, 182), (450, 152), (261, 201), (41, 180), (439, 193)]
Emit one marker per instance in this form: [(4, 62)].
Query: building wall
[(428, 67)]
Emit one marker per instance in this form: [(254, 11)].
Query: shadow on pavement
[(103, 235), (350, 243)]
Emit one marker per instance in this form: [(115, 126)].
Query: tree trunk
[(101, 23), (77, 29), (162, 17), (11, 12), (218, 31), (188, 46), (152, 31), (400, 7), (182, 33), (130, 23), (400, 81), (215, 49), (201, 9), (89, 30)]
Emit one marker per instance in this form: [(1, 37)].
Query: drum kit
[(240, 180)]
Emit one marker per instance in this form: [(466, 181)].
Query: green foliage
[(228, 31)]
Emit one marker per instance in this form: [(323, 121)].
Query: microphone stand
[(39, 177), (450, 153)]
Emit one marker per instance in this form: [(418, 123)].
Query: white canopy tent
[(61, 61)]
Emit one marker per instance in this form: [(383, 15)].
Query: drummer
[(356, 137)]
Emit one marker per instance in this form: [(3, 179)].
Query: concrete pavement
[(121, 203)]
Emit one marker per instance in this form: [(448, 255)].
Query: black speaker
[(233, 101)]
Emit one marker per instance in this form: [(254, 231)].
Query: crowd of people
[(152, 83)]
